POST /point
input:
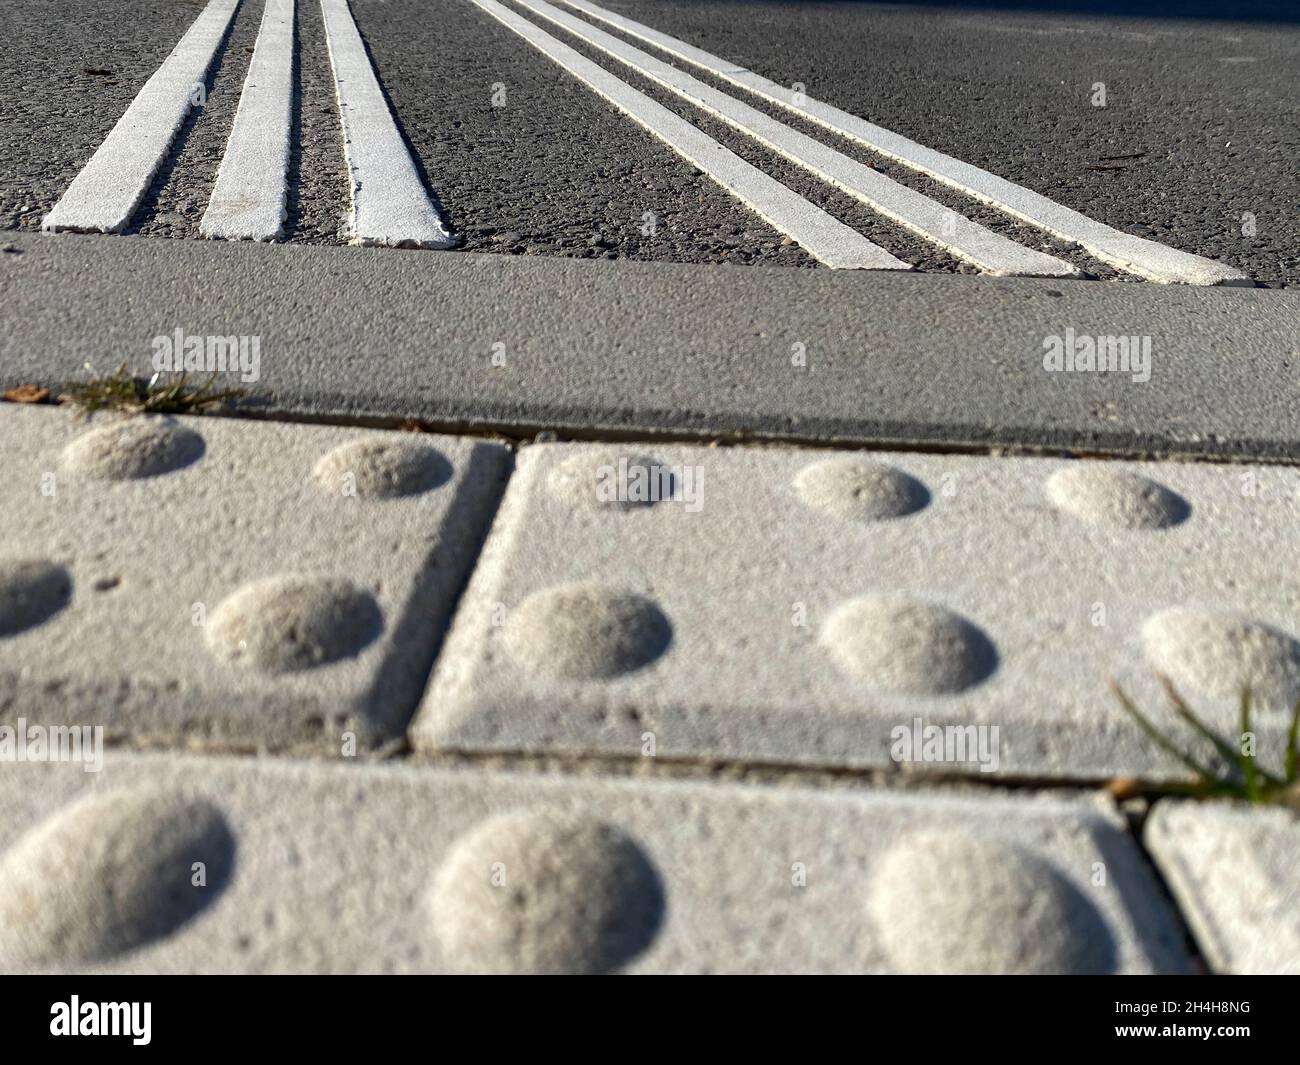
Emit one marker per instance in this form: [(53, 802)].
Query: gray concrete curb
[(522, 344)]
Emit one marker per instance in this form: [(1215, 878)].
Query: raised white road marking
[(247, 202), (1145, 258), (825, 238), (104, 196), (390, 206), (928, 218)]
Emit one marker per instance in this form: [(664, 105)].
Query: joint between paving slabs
[(519, 435)]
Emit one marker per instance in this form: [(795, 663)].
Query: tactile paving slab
[(237, 583), (1235, 873), (833, 608), (324, 867)]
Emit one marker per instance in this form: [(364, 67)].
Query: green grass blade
[(172, 395), (1232, 755), (1226, 751), (1159, 738)]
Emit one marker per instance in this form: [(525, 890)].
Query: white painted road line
[(914, 211), (1145, 258), (248, 200), (823, 237), (105, 194), (390, 206)]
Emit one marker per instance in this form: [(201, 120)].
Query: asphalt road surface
[(1194, 147)]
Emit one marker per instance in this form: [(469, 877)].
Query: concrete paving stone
[(234, 583), (524, 344), (827, 607), (1234, 871), (319, 867)]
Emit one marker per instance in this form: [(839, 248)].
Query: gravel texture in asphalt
[(1193, 146)]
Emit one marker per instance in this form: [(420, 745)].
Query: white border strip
[(929, 219), (105, 194), (390, 206), (248, 200), (1145, 258), (824, 237)]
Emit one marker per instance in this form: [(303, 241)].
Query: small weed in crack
[(160, 394), (1237, 774)]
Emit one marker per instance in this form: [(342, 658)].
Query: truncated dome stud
[(1218, 655), (381, 469), (31, 591), (1115, 497), (110, 873), (946, 902), (860, 489), (545, 893), (288, 623), (908, 647), (587, 632), (609, 479), (133, 448)]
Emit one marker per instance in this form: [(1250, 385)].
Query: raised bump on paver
[(860, 489), (382, 469), (942, 901), (583, 631), (286, 623), (1217, 655), (908, 647), (31, 591), (545, 893), (110, 873), (1097, 493), (619, 482), (133, 448)]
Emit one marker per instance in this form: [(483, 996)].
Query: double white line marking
[(829, 240), (108, 190), (959, 236), (389, 204), (1145, 258)]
